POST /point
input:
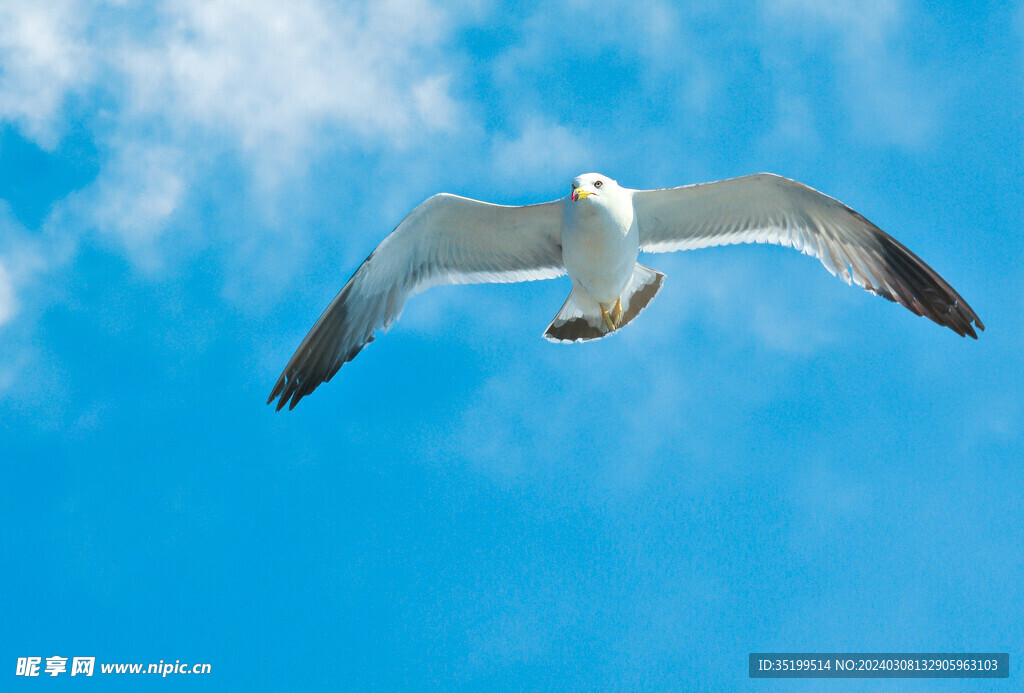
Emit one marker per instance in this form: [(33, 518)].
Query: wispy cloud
[(795, 126), (182, 100), (8, 307), (543, 156), (44, 59), (135, 197), (22, 257), (755, 294), (270, 80), (169, 92), (30, 376), (642, 57), (267, 75), (888, 98)]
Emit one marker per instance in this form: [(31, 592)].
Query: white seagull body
[(594, 235)]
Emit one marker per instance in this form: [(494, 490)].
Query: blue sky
[(766, 460)]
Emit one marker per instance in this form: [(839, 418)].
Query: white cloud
[(433, 103), (8, 306), (177, 88), (135, 198), (42, 60), (199, 109), (22, 259), (272, 75), (30, 376), (543, 155), (275, 82)]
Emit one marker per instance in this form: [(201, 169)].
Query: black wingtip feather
[(921, 290), (295, 382)]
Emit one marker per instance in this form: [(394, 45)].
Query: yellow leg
[(607, 318), (617, 312)]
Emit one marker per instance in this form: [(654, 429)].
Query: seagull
[(595, 234)]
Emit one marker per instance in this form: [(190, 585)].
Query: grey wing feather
[(445, 240), (765, 208)]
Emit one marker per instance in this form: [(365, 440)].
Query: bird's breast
[(599, 250)]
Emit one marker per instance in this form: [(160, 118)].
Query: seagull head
[(592, 185)]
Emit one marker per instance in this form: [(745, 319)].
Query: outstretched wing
[(765, 208), (445, 240)]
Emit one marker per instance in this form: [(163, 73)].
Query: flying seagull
[(594, 235)]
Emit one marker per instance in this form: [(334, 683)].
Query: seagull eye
[(597, 184)]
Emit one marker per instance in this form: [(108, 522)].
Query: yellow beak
[(578, 194)]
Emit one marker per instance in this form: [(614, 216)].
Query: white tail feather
[(576, 323)]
